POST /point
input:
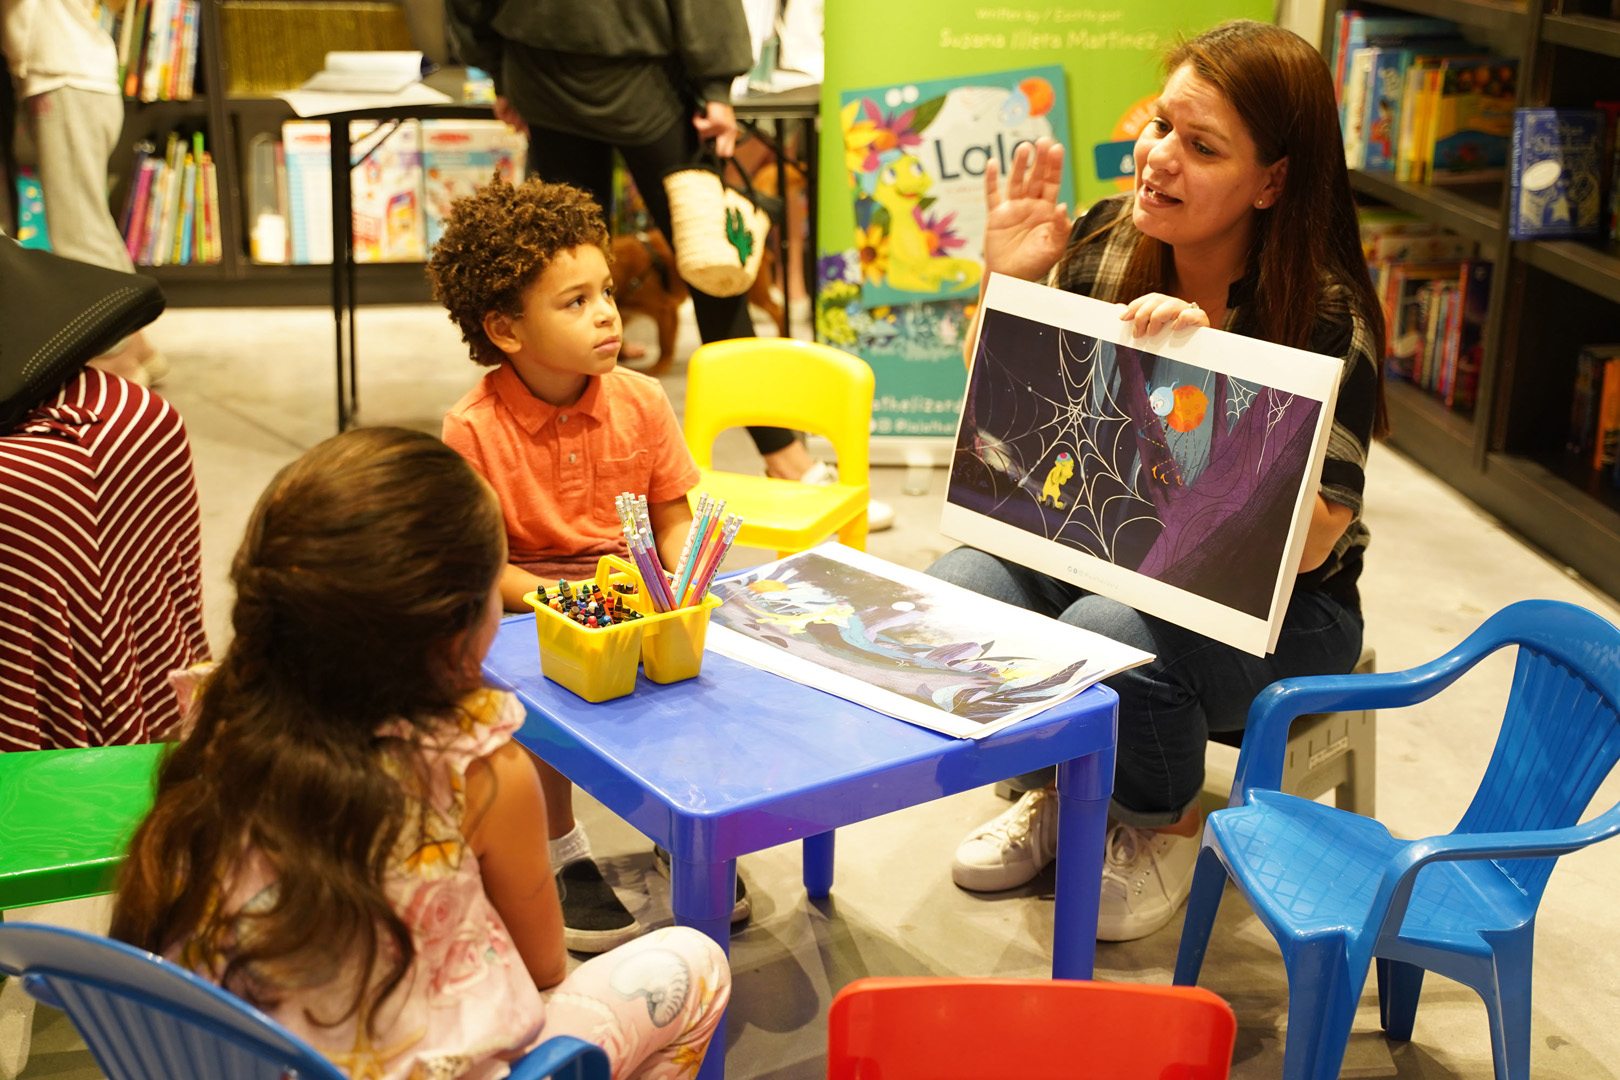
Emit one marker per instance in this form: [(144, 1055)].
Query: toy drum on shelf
[(599, 662)]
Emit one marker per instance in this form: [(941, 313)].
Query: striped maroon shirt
[(100, 568)]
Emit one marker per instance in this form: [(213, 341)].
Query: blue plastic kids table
[(739, 760)]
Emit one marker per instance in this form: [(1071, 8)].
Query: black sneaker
[(739, 910), (594, 919)]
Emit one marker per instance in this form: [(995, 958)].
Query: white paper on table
[(1174, 473), (322, 103), (380, 71), (898, 641)]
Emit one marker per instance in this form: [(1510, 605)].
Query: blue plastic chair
[(1337, 891), (144, 1017)]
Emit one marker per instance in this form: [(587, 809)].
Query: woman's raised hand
[(1026, 228), (1155, 311)]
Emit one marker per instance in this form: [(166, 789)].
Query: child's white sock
[(572, 846)]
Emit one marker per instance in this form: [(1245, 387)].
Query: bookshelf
[(1548, 298), (229, 121)]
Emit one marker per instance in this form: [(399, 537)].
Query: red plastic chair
[(1034, 1029)]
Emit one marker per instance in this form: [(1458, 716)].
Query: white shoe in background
[(1011, 848), (1146, 876), (879, 514)]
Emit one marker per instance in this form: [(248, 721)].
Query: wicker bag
[(719, 232)]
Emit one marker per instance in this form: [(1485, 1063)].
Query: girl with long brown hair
[(1239, 217), (347, 836)]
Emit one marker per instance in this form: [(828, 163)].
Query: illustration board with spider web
[(1172, 470)]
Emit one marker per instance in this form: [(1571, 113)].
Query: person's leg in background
[(1167, 707), (74, 134), (721, 318), (1011, 848)]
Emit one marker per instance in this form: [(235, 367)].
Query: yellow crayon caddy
[(599, 663)]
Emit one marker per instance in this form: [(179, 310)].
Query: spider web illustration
[(1104, 500), (1239, 396), (1276, 409)]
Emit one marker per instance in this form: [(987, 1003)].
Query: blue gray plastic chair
[(147, 1019), (1337, 891)]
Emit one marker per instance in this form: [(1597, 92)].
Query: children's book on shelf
[(1375, 221), (1175, 474), (405, 177), (1408, 118), (1586, 394), (1427, 108), (1355, 29), (1434, 296), (1382, 119), (1467, 353), (1473, 119), (1611, 168), (1388, 117), (140, 186), (187, 214), (387, 191), (1414, 295), (460, 156), (1358, 95), (308, 157), (171, 210), (1424, 245), (213, 239), (157, 48), (1555, 177), (1605, 442)]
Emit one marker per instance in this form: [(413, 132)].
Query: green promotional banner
[(919, 95)]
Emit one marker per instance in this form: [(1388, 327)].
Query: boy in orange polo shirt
[(559, 430)]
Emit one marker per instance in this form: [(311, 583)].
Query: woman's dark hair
[(1281, 88), (365, 564)]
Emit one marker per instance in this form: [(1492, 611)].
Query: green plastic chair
[(66, 817)]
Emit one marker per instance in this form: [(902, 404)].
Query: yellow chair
[(780, 382)]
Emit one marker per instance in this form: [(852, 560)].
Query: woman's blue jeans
[(1196, 685)]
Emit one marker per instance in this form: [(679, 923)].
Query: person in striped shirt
[(1240, 217)]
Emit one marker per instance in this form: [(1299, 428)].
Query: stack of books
[(408, 175), (1418, 101), (171, 215), (1435, 294), (157, 48), (1594, 422)]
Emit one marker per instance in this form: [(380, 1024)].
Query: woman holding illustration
[(1240, 217)]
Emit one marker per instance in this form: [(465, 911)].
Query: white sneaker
[(1010, 849), (1146, 876), (879, 514)]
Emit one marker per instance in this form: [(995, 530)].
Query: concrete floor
[(255, 388)]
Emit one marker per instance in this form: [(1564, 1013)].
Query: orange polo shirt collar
[(532, 413)]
